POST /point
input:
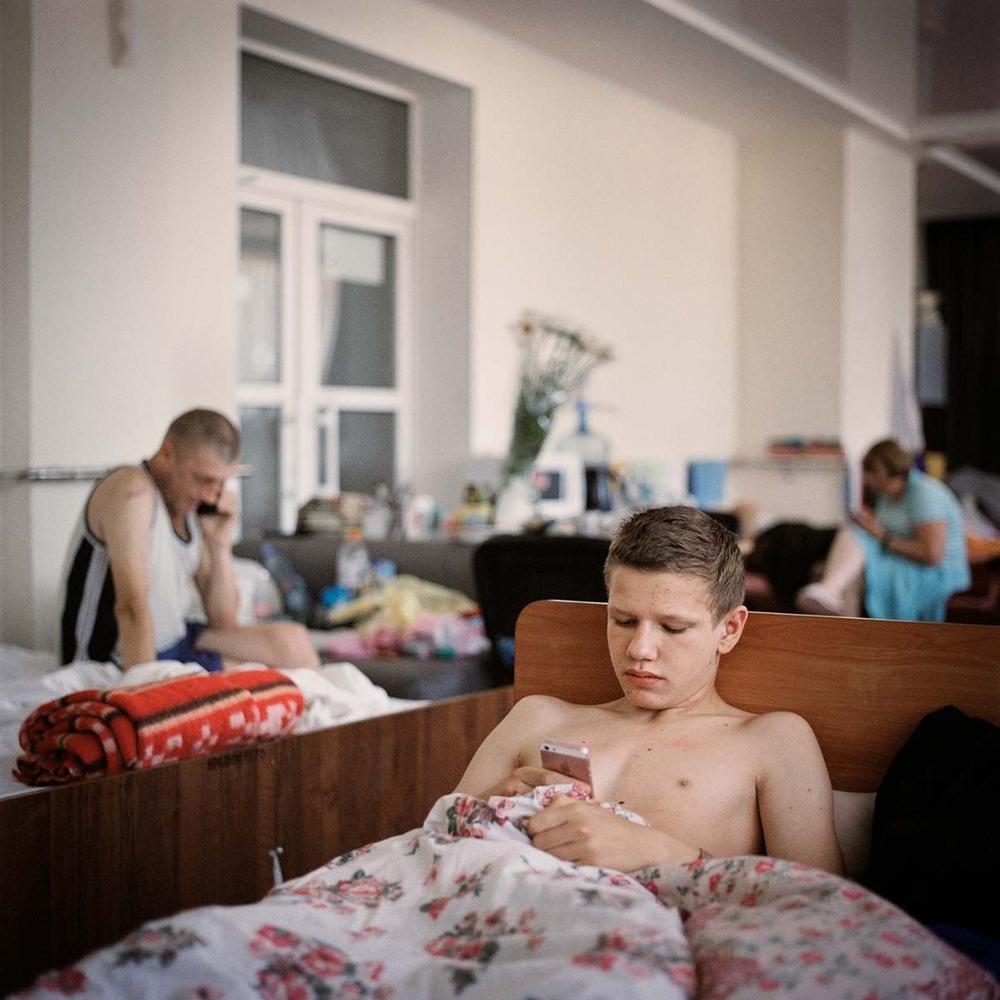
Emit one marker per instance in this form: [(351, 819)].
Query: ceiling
[(958, 101), (959, 56), (923, 73)]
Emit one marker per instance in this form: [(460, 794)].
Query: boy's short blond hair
[(682, 540)]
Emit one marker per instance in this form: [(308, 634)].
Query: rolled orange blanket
[(92, 733)]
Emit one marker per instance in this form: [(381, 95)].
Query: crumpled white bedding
[(334, 693)]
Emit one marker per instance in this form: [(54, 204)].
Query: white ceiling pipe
[(984, 123), (979, 127), (798, 72), (965, 165)]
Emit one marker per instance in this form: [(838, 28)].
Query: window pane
[(261, 492), (367, 450), (299, 123), (260, 296), (358, 308)]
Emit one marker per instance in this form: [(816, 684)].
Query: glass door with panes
[(355, 355), (326, 222), (267, 365)]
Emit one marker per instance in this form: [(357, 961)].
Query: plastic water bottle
[(294, 592), (378, 518), (353, 565), (595, 451)]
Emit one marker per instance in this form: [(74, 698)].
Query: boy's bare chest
[(696, 776)]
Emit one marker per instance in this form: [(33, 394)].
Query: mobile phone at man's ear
[(207, 509), (571, 759)]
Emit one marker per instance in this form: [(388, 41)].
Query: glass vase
[(531, 427)]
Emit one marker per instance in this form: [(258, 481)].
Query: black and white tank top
[(89, 628)]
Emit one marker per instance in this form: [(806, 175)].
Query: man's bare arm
[(794, 795), (120, 513)]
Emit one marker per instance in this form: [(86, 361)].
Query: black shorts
[(184, 650)]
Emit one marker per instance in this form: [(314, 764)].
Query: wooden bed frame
[(862, 684), (81, 866), (84, 864)]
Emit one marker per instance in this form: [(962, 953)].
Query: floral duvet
[(466, 907)]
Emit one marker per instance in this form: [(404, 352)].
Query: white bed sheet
[(334, 693)]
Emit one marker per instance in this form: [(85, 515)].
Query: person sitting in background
[(138, 545), (909, 550)]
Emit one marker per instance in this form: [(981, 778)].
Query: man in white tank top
[(140, 542)]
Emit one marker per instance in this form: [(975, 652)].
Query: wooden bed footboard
[(84, 864)]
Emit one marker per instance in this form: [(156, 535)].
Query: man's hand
[(217, 529), (588, 834), (216, 575), (524, 779)]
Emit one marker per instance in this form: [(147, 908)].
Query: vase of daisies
[(555, 358)]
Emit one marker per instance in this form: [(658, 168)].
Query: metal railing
[(69, 474), (55, 474)]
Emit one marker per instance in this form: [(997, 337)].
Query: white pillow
[(853, 813), (258, 596)]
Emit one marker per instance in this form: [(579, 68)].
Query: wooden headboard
[(862, 684)]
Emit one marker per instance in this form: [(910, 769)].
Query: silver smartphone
[(571, 759)]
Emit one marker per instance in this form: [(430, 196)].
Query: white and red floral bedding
[(467, 907)]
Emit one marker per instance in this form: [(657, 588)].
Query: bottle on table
[(353, 564), (595, 452)]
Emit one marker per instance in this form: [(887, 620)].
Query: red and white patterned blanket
[(467, 907), (91, 733)]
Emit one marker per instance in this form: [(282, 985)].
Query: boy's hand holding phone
[(569, 759), (561, 762)]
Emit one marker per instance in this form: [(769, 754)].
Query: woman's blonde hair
[(887, 456)]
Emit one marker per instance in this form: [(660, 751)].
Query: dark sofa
[(448, 563)]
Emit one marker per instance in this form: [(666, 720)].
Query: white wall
[(133, 225), (132, 257), (827, 276), (588, 200), (591, 202), (790, 232), (15, 512), (879, 242), (879, 282)]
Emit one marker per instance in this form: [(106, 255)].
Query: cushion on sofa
[(443, 562)]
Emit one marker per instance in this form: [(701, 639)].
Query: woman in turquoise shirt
[(910, 547)]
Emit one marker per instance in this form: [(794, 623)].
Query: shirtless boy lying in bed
[(710, 778)]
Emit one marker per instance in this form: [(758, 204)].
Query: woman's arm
[(927, 546)]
